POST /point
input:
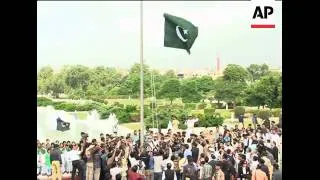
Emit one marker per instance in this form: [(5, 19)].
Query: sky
[(108, 33)]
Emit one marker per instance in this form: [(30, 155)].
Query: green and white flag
[(179, 33)]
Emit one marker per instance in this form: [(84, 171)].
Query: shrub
[(211, 121), (276, 112), (135, 116), (202, 106), (85, 107), (190, 106), (105, 101), (183, 126), (226, 114), (122, 115), (117, 104), (264, 114), (209, 111), (252, 111), (97, 99), (69, 107), (118, 97), (176, 106), (162, 107), (131, 108), (239, 111), (43, 101), (145, 107)]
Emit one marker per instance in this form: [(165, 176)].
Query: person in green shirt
[(47, 163)]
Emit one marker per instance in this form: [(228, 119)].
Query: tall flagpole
[(141, 76)]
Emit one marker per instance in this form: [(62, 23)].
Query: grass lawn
[(82, 115), (146, 101), (132, 126)]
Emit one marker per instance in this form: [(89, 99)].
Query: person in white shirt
[(115, 170), (77, 163), (133, 160), (190, 124), (254, 163), (268, 143), (164, 164), (157, 169)]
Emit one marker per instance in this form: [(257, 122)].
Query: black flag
[(62, 126)]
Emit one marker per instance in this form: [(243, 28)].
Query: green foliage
[(229, 91), (176, 106), (218, 105), (135, 116), (264, 114), (118, 104), (189, 92), (78, 77), (98, 99), (202, 106), (257, 71), (190, 106), (131, 108), (226, 114), (235, 73), (183, 126), (239, 111), (42, 101), (266, 91), (69, 107), (153, 105), (170, 89), (252, 111), (209, 111), (211, 121), (276, 112)]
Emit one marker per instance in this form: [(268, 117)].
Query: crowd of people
[(246, 153)]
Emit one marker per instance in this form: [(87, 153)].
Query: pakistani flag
[(179, 33)]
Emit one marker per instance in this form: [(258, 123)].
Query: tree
[(132, 82), (205, 85), (107, 78), (170, 89), (252, 97), (189, 91), (229, 91), (235, 73), (257, 71), (266, 91), (170, 74), (44, 77), (57, 85), (77, 77)]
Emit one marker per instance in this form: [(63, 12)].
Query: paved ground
[(64, 177)]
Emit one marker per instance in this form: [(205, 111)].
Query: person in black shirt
[(213, 161), (145, 158), (275, 151), (227, 168), (230, 157), (241, 117), (264, 168), (169, 173), (195, 152), (189, 170)]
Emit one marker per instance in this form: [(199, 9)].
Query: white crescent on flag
[(179, 34)]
